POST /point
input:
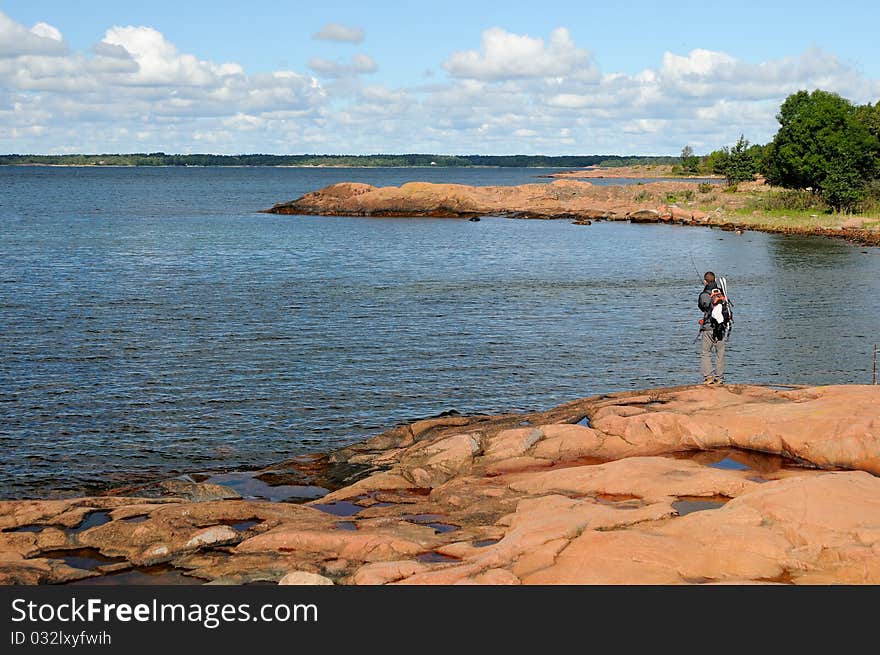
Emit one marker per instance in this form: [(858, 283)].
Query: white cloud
[(505, 55), (363, 64), (383, 95), (244, 122), (104, 49), (17, 40), (135, 90), (707, 74), (360, 64), (338, 32), (159, 62), (135, 87), (569, 101), (46, 31), (698, 63)]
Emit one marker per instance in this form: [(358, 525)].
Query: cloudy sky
[(395, 77)]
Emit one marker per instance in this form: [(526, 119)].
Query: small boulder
[(198, 491), (644, 216), (512, 443), (304, 578), (216, 535), (432, 464)]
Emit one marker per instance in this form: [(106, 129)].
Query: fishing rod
[(696, 270), (702, 281)]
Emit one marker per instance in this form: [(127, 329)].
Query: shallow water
[(252, 488), (82, 558), (435, 558), (339, 508), (434, 521), (151, 323), (689, 506), (156, 575)]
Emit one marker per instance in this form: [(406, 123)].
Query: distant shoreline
[(344, 166), (564, 162)]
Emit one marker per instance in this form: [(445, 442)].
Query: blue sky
[(474, 77)]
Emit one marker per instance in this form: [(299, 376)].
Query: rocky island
[(687, 485), (670, 202)]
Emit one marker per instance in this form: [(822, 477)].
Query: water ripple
[(158, 337)]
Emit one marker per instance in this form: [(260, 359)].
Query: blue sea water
[(153, 323)]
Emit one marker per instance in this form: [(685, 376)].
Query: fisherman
[(714, 329)]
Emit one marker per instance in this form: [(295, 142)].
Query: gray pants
[(708, 344)]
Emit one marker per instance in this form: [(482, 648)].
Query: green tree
[(737, 164), (821, 145), (690, 163), (716, 161), (869, 116)]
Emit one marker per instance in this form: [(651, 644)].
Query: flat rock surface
[(561, 198), (687, 485)]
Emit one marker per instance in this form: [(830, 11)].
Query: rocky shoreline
[(575, 200), (687, 485)]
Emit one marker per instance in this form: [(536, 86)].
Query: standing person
[(713, 336)]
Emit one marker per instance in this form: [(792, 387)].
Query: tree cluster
[(825, 144), (739, 163)]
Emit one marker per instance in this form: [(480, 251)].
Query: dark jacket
[(704, 302)]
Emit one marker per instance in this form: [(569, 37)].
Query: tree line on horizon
[(376, 160), (826, 146)]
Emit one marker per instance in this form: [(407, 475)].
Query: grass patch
[(794, 200), (799, 218), (787, 208), (786, 218)]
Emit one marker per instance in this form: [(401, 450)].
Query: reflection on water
[(154, 575), (339, 508), (435, 558), (153, 324), (250, 486), (686, 506), (737, 459), (82, 558), (432, 521), (729, 463)]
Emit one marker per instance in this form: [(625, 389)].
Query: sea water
[(153, 323)]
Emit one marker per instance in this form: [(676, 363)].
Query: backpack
[(721, 318)]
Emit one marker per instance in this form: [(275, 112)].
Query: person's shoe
[(718, 381), (709, 381)]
